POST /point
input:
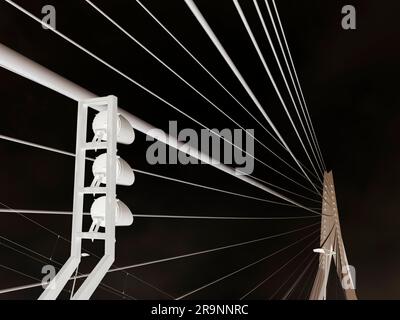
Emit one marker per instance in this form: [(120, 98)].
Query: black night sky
[(349, 78)]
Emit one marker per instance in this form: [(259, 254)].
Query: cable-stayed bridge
[(323, 239)]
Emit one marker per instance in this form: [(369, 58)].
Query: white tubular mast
[(25, 67)]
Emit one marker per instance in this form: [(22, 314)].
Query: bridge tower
[(332, 247)]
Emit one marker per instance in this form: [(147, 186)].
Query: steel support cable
[(218, 82), (298, 83), (165, 216), (300, 265), (289, 292), (302, 106), (220, 167), (102, 285), (244, 268), (278, 270), (264, 63), (130, 36), (45, 260), (212, 188), (35, 145), (184, 81), (138, 84), (295, 73), (287, 85), (21, 274), (68, 241), (286, 190), (39, 146), (235, 245), (201, 65), (33, 71), (229, 192), (197, 253), (198, 15), (306, 285)]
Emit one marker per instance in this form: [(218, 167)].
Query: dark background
[(349, 78)]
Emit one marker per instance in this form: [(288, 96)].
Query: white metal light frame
[(108, 236)]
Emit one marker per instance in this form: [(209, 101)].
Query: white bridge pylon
[(332, 247)]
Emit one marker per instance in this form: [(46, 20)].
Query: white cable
[(21, 214), (168, 67), (165, 216), (291, 202), (286, 82), (39, 146), (188, 84), (289, 292), (35, 145), (228, 60), (169, 259), (286, 190), (218, 82), (299, 265), (278, 270), (143, 88), (244, 268), (307, 119), (264, 63), (297, 78), (212, 188), (102, 285)]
